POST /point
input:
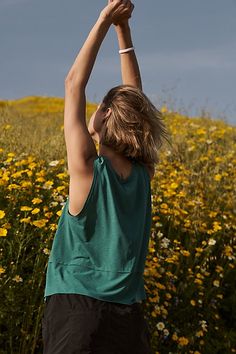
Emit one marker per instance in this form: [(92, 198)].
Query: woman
[(94, 283)]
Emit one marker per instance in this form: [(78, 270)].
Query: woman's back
[(101, 252), (124, 168), (80, 185)]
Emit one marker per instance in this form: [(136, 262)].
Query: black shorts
[(79, 324)]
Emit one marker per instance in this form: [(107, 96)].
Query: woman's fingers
[(125, 2), (117, 10), (130, 6), (128, 9), (126, 6)]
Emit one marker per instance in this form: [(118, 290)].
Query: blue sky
[(186, 51)]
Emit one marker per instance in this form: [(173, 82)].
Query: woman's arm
[(129, 64), (80, 145), (83, 65)]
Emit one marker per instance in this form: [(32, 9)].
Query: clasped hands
[(117, 11)]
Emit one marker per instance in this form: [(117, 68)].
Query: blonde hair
[(135, 127)]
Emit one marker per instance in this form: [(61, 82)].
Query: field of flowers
[(190, 274)]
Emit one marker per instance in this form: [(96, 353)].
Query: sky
[(186, 51)]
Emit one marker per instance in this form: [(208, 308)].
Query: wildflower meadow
[(190, 274)]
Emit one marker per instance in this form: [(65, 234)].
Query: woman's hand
[(123, 18), (117, 11)]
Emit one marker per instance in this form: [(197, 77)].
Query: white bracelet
[(121, 51)]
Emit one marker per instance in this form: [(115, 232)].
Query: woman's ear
[(108, 112)]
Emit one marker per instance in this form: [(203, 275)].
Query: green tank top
[(101, 252)]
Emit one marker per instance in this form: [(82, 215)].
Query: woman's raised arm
[(84, 62), (79, 143), (129, 65)]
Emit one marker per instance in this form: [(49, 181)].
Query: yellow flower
[(217, 177), (35, 211), (212, 214), (219, 269), (193, 302), (59, 212), (61, 175), (228, 250), (48, 184), (13, 186), (36, 200), (53, 227), (48, 214), (11, 154), (185, 253), (32, 165), (172, 259), (2, 214), (26, 184), (199, 333), (175, 337), (174, 185), (200, 131), (8, 160), (2, 270), (199, 249), (26, 220), (3, 232), (199, 275), (203, 158), (60, 188), (216, 226), (164, 109), (40, 179), (40, 223), (164, 206), (25, 208), (160, 286), (183, 341)]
